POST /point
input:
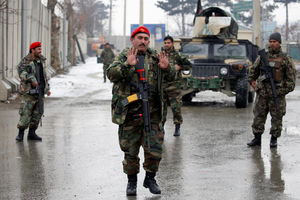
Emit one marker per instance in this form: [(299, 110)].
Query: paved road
[(79, 157)]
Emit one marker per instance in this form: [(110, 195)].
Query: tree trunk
[(70, 18), (55, 61)]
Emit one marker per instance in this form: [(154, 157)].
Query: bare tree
[(294, 31), (55, 27), (75, 26), (93, 13)]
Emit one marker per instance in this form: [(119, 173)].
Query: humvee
[(220, 61)]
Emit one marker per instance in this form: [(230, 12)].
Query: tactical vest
[(276, 64)]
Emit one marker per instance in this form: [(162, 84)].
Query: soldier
[(173, 89), (107, 57), (122, 72), (284, 76), (33, 81)]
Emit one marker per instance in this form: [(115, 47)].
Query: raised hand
[(35, 84), (131, 56), (253, 84), (163, 60)]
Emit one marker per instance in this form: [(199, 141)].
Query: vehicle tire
[(251, 97), (188, 97), (241, 98)]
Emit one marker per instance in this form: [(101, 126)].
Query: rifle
[(39, 91), (268, 74), (143, 94)]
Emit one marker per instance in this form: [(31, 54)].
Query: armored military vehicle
[(220, 60)]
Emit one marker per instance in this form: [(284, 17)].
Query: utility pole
[(141, 12), (256, 22), (124, 26), (110, 16), (287, 20)]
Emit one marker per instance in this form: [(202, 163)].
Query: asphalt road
[(80, 158)]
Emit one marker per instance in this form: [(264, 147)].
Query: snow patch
[(85, 79)]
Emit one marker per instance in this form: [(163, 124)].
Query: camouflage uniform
[(131, 130), (284, 78), (107, 57), (29, 112), (173, 88)]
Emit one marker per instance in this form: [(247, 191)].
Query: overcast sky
[(155, 15)]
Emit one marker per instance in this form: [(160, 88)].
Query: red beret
[(141, 29), (35, 44)]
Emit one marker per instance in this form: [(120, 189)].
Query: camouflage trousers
[(29, 112), (264, 105), (105, 71), (174, 99), (132, 136)]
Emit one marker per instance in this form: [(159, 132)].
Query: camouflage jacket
[(176, 58), (27, 73), (107, 56), (284, 74), (123, 75)]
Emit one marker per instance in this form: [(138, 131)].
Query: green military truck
[(220, 61)]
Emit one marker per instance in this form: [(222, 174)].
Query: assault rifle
[(268, 74), (39, 91), (143, 94)]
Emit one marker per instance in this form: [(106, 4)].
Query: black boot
[(32, 135), (20, 136), (150, 183), (256, 141), (177, 130), (273, 142), (131, 185)]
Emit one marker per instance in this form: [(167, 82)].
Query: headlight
[(223, 71), (186, 72)]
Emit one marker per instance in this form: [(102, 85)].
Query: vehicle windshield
[(195, 49), (230, 50)]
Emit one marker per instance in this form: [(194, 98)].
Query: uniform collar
[(274, 52), (29, 58)]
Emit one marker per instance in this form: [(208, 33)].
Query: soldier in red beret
[(34, 85), (124, 72)]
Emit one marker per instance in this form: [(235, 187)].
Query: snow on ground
[(211, 96), (82, 80), (87, 79)]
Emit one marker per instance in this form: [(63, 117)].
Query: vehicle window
[(195, 49), (229, 50)]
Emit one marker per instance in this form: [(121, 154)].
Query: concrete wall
[(22, 23)]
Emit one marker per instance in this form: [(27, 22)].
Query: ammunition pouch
[(276, 69), (118, 110), (277, 75)]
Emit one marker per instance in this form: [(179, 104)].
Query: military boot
[(32, 135), (131, 185), (177, 130), (273, 142), (20, 136), (150, 183), (256, 141)]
